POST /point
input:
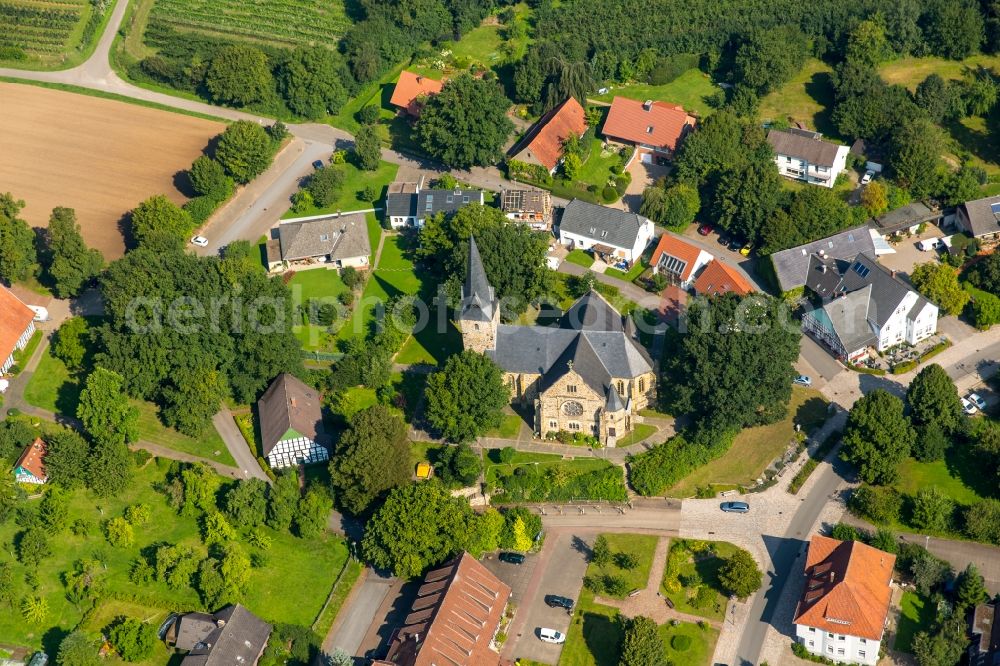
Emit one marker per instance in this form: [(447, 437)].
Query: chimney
[(892, 273), (220, 622), (647, 105), (822, 268), (833, 576), (821, 253)]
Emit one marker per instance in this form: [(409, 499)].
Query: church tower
[(479, 316)]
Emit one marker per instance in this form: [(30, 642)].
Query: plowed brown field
[(99, 156)]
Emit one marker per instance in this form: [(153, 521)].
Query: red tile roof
[(659, 124), (453, 619), (675, 247), (15, 318), (411, 86), (545, 140), (847, 588), (720, 278), (33, 459)]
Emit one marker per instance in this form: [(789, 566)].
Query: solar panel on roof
[(995, 207), (860, 269)]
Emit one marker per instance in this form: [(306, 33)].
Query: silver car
[(735, 507)]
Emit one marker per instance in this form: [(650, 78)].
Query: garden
[(600, 178), (515, 477), (356, 189), (916, 614), (691, 578), (692, 90)]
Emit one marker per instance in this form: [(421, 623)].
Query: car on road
[(318, 164), (977, 400), (200, 241), (735, 507), (745, 250), (803, 380), (511, 558), (555, 601), (551, 635), (867, 178), (705, 229), (968, 407)]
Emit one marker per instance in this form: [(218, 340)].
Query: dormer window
[(324, 237), (649, 130)]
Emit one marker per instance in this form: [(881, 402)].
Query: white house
[(679, 261), (16, 327), (613, 233), (291, 423), (845, 604), (803, 155), (864, 305), (409, 204)]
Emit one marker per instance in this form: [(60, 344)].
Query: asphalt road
[(365, 602), (241, 452)]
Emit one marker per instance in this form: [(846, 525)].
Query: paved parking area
[(561, 566), (906, 254), (515, 575)]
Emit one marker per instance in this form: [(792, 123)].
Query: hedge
[(655, 470), (814, 460), (865, 371)]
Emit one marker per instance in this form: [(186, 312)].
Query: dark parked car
[(512, 558), (735, 507), (318, 164), (705, 229), (555, 601)]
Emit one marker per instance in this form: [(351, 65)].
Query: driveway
[(815, 361), (245, 458), (643, 175), (906, 254), (559, 570), (349, 630)]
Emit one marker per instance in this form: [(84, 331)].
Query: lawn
[(208, 445), (632, 273), (22, 356), (688, 571), (807, 98), (641, 432), (959, 475), (545, 477), (754, 448), (51, 387), (267, 593), (580, 258), (354, 400), (509, 427), (910, 72), (642, 546), (916, 614), (319, 283), (594, 635), (355, 181), (110, 610), (699, 651), (691, 90)]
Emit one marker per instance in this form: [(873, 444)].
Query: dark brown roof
[(289, 404), (453, 619), (812, 150), (986, 628), (238, 638)]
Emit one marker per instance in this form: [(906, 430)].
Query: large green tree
[(70, 263), (733, 367), (239, 74), (466, 124), (370, 459), (283, 500), (311, 81), (466, 397), (746, 197), (17, 241), (915, 156), (675, 206), (79, 648), (939, 283), (106, 415), (158, 218), (418, 526), (246, 503), (109, 469), (942, 646), (207, 176), (765, 59), (245, 150), (933, 398), (133, 639), (514, 258), (642, 645), (313, 512), (70, 344), (971, 589), (953, 28), (878, 436), (368, 148), (66, 458), (740, 574)]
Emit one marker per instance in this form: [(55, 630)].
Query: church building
[(587, 373)]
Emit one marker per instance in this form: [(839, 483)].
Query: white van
[(41, 314), (928, 244)]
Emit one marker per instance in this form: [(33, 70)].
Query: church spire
[(477, 291)]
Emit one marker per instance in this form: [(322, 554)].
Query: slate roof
[(981, 216), (720, 278), (544, 142), (409, 87), (791, 265), (658, 124), (847, 317), (685, 254), (986, 631), (609, 226), (237, 639), (478, 299), (426, 203), (453, 619), (15, 318), (289, 404), (907, 216), (341, 237), (847, 588), (33, 459), (804, 146)]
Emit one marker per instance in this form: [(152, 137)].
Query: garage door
[(647, 158)]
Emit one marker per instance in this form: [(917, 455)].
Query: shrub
[(616, 586), (324, 186), (626, 561), (982, 521), (844, 532), (932, 509), (609, 194), (680, 642), (653, 471), (880, 505), (507, 454), (132, 639), (368, 115)]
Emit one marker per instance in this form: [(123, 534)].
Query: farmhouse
[(233, 635), (980, 218), (678, 260), (531, 207), (453, 620), (612, 233), (408, 204), (336, 241), (543, 144), (30, 467), (654, 128), (803, 155), (587, 375), (411, 90), (291, 423), (791, 266), (16, 327), (864, 305), (845, 604)]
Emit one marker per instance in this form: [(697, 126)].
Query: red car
[(705, 229)]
